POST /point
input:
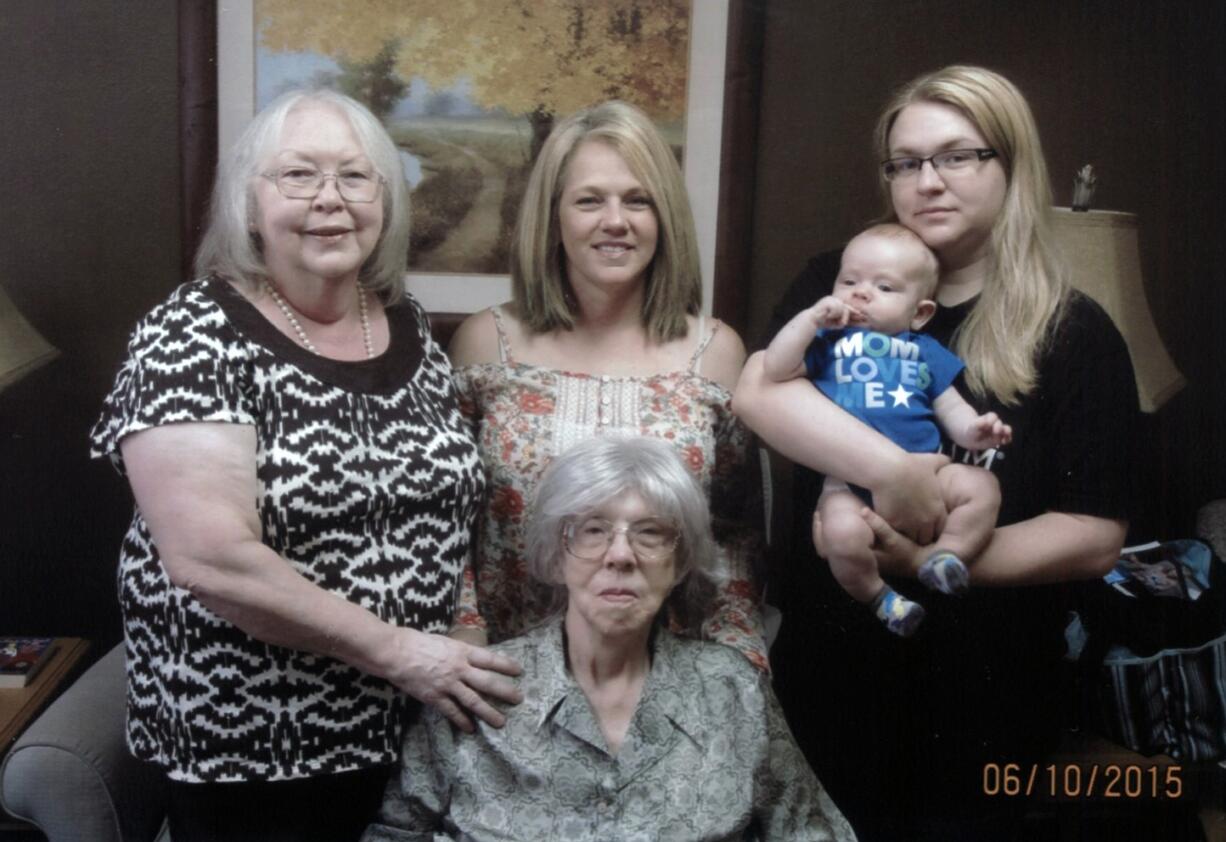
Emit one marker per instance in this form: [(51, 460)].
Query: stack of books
[(21, 658)]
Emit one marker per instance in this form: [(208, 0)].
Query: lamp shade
[(1105, 263), (21, 348)]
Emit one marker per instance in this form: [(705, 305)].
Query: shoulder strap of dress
[(504, 346), (703, 341)]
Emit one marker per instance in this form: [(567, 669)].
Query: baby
[(869, 360)]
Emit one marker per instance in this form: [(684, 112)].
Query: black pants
[(329, 808)]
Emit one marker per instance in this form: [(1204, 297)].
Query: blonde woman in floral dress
[(603, 337)]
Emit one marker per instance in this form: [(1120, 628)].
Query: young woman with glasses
[(902, 729)]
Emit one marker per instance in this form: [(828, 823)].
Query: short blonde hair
[(1023, 298), (927, 270), (231, 250), (538, 264)]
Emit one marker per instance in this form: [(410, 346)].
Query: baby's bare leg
[(847, 542), (972, 497)]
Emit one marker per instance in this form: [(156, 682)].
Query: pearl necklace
[(283, 305)]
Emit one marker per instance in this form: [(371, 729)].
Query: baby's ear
[(925, 310)]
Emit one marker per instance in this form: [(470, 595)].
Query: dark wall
[(1135, 87), (89, 240)]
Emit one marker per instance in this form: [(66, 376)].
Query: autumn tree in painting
[(538, 58), (374, 82), (522, 62)]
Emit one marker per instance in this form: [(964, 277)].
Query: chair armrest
[(70, 773)]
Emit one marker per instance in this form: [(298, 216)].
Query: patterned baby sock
[(945, 572), (900, 615)]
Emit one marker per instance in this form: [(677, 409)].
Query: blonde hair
[(1023, 296), (538, 264), (231, 250), (927, 271)]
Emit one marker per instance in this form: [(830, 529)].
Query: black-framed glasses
[(651, 539), (949, 161), (298, 182)]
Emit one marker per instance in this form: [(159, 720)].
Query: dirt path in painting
[(477, 233)]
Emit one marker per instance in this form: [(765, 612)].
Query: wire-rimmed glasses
[(299, 182), (651, 539)]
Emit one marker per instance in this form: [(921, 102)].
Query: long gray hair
[(598, 470)]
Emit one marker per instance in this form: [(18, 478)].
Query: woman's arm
[(797, 420), (737, 525), (1053, 547), (195, 486), (724, 357), (474, 342), (736, 515)]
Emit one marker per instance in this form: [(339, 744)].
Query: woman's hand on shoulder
[(475, 341), (453, 676), (724, 358)]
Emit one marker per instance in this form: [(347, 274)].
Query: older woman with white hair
[(627, 731), (305, 489)]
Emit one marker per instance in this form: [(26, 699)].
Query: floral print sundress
[(523, 415)]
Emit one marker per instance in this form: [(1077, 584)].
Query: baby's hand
[(829, 312), (988, 431)]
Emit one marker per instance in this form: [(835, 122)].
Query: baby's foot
[(945, 572), (900, 615)]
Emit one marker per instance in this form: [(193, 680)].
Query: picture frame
[(217, 65)]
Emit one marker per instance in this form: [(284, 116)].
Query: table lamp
[(21, 348), (1105, 263)]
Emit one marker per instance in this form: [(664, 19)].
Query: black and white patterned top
[(368, 485)]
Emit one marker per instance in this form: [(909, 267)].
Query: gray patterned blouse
[(707, 756)]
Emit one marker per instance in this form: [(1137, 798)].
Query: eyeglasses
[(949, 161), (307, 182), (650, 539)]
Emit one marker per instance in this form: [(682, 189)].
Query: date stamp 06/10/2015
[(1088, 780)]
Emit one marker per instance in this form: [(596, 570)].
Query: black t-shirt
[(982, 677)]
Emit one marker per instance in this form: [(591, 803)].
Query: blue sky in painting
[(276, 72)]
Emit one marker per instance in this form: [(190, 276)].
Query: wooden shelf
[(19, 705)]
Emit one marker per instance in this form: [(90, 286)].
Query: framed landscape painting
[(469, 90)]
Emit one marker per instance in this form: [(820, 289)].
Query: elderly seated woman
[(626, 730)]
